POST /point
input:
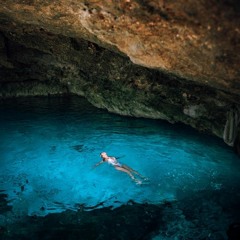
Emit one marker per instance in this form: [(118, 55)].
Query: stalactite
[(231, 126)]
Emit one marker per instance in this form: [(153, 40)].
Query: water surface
[(49, 145)]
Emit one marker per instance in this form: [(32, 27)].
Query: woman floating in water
[(120, 167)]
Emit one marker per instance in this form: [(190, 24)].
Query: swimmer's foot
[(138, 182), (143, 178)]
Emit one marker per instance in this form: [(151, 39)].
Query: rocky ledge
[(172, 60)]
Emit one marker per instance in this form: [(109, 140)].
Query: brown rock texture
[(173, 60)]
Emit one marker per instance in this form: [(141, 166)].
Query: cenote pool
[(49, 146)]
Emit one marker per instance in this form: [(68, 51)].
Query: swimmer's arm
[(97, 164)]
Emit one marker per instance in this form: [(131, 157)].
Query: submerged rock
[(202, 215)]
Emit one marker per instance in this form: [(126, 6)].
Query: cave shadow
[(201, 215)]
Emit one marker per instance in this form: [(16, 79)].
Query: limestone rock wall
[(172, 60)]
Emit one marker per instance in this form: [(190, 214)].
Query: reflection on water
[(48, 148)]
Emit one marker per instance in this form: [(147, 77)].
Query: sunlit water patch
[(49, 147)]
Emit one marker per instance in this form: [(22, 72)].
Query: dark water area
[(50, 190)]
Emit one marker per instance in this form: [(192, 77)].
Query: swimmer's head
[(103, 154)]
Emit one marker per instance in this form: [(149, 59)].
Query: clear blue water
[(49, 146)]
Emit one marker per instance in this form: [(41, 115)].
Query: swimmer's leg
[(133, 171), (128, 172)]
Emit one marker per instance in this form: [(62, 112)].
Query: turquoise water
[(49, 145)]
